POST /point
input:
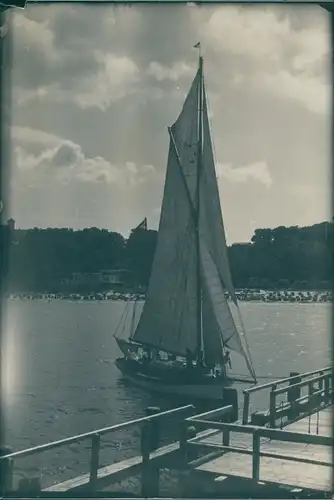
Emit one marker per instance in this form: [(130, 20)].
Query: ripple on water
[(68, 383)]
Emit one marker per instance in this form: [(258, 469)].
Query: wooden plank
[(322, 458), (274, 471), (277, 470), (325, 423), (120, 470), (113, 473)]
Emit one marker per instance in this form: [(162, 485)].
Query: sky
[(94, 88)]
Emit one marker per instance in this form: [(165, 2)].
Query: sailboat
[(178, 340)]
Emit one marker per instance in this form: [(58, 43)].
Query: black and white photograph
[(167, 250)]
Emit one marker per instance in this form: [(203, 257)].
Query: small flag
[(142, 225), (198, 45)]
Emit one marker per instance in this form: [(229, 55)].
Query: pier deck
[(284, 472), (289, 446)]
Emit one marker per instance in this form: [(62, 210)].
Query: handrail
[(223, 410), (255, 451), (302, 383), (265, 432), (291, 383), (97, 432), (257, 388)]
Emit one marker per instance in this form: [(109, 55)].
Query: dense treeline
[(284, 257)]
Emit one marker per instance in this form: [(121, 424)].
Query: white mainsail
[(169, 320)]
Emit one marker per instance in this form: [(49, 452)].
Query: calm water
[(60, 377)]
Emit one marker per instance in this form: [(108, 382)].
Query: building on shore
[(111, 278)]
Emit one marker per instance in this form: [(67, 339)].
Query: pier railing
[(194, 445), (149, 444), (291, 397)]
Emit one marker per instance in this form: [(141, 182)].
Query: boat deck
[(280, 471)]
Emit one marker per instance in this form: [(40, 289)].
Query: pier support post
[(230, 397), (94, 461), (149, 442), (272, 407), (256, 457), (327, 396), (293, 394), (185, 482), (245, 410), (6, 471)]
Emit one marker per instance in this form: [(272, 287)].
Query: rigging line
[(244, 336), (133, 318), (220, 277), (224, 288), (182, 172), (209, 307), (120, 320), (212, 143), (186, 274), (126, 315)]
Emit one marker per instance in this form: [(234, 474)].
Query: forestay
[(129, 320), (215, 264)]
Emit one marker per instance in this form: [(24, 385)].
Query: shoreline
[(244, 295)]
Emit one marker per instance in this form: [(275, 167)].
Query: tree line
[(280, 258)]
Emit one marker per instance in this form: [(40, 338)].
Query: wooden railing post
[(226, 437), (245, 412), (183, 440), (272, 406), (187, 432), (321, 381), (310, 400), (256, 456), (327, 384), (94, 460), (293, 394), (319, 389), (6, 471), (150, 442)]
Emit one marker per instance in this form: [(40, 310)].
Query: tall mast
[(199, 168)]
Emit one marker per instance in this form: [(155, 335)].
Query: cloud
[(308, 91), (173, 73), (66, 54), (258, 171), (57, 159), (291, 63), (30, 137), (51, 71), (93, 97), (54, 183), (117, 78), (254, 32)]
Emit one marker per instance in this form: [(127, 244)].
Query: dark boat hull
[(177, 382)]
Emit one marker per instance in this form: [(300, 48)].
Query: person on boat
[(200, 359), (227, 359), (146, 356), (189, 358), (154, 354)]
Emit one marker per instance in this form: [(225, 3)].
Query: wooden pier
[(285, 449)]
